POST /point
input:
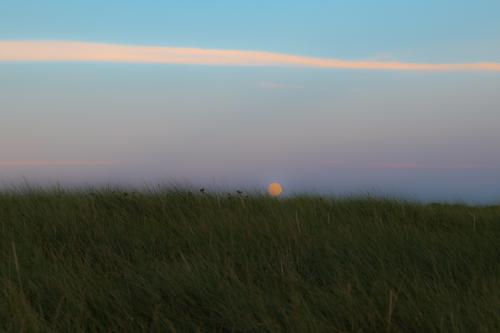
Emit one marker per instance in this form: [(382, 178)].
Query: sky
[(397, 98)]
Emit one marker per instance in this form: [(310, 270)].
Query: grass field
[(175, 261)]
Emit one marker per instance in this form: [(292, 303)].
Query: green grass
[(176, 261)]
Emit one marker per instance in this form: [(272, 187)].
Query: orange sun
[(274, 189)]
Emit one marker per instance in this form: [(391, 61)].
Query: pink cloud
[(44, 163), (278, 86), (67, 51), (473, 166), (413, 166), (398, 166)]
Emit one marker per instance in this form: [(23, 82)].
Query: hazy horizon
[(328, 98)]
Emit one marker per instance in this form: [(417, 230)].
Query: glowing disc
[(274, 189)]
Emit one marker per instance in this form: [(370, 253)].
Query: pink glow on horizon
[(414, 166), (68, 51), (28, 163), (410, 166), (398, 166)]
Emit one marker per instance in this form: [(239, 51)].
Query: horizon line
[(78, 51)]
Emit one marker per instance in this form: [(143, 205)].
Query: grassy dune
[(175, 261)]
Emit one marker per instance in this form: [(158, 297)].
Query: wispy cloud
[(45, 163), (43, 51), (398, 166), (279, 86), (473, 166), (413, 166)]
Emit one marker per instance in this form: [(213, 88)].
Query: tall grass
[(175, 261)]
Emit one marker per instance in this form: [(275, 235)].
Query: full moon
[(274, 189)]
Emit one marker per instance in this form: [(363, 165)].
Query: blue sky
[(425, 30), (430, 135)]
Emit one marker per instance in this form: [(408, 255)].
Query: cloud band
[(69, 51), (51, 163)]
